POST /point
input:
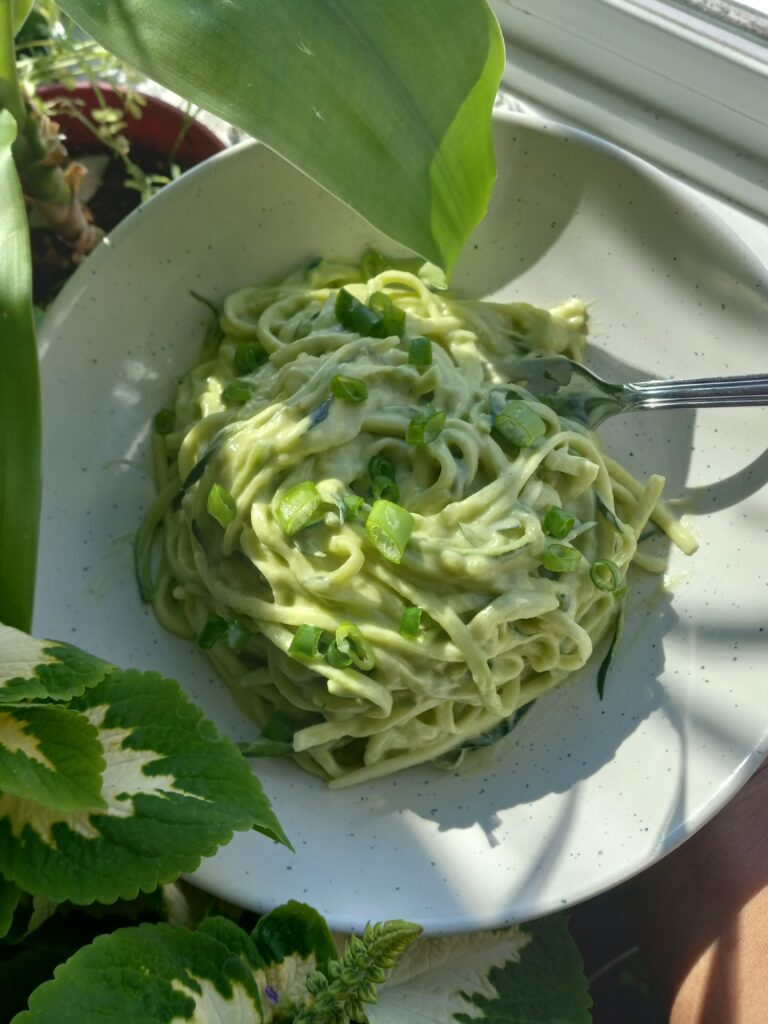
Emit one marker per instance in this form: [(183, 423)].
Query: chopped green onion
[(383, 483), (238, 636), (350, 641), (248, 358), (298, 507), (349, 388), (355, 315), (215, 629), (610, 516), (164, 421), (410, 622), (279, 727), (221, 505), (389, 527), (519, 424), (426, 428), (336, 657), (306, 641), (420, 352), (372, 264), (353, 506), (380, 465), (605, 575), (392, 317), (557, 523), (602, 672), (384, 487), (561, 558), (237, 392)]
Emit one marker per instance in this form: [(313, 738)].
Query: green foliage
[(546, 985), (32, 669), (174, 791), (389, 108), (20, 485), (154, 974)]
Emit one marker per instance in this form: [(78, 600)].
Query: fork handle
[(698, 393)]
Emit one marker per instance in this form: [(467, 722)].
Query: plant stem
[(10, 93), (38, 152), (20, 483)]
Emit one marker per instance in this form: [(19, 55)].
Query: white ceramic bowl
[(583, 793)]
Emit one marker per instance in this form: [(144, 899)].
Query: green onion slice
[(605, 575), (389, 527), (380, 465), (392, 317), (279, 727), (307, 641), (420, 352), (336, 657), (353, 506), (384, 487), (411, 622), (557, 523), (238, 636), (237, 392), (164, 422), (248, 358), (355, 315), (561, 558), (349, 388), (519, 424), (350, 641), (383, 483), (426, 428), (215, 629), (298, 507), (221, 505)]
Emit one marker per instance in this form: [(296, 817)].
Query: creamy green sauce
[(256, 445)]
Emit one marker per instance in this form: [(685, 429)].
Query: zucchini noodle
[(378, 562)]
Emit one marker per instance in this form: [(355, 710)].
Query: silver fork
[(575, 392)]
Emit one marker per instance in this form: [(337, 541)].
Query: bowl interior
[(583, 792)]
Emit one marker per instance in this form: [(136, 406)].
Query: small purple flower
[(272, 995)]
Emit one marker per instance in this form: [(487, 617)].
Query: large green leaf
[(19, 394), (174, 790), (387, 105), (154, 974), (293, 941), (50, 755), (527, 974), (10, 895), (32, 669)]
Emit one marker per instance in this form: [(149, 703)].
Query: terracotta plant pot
[(158, 128), (160, 136)]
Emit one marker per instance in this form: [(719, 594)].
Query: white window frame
[(659, 80)]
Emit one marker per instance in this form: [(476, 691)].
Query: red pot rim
[(157, 129)]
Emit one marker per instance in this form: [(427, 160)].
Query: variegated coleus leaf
[(51, 755), (293, 940), (32, 669), (174, 791), (155, 974), (520, 975), (10, 895), (29, 914)]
